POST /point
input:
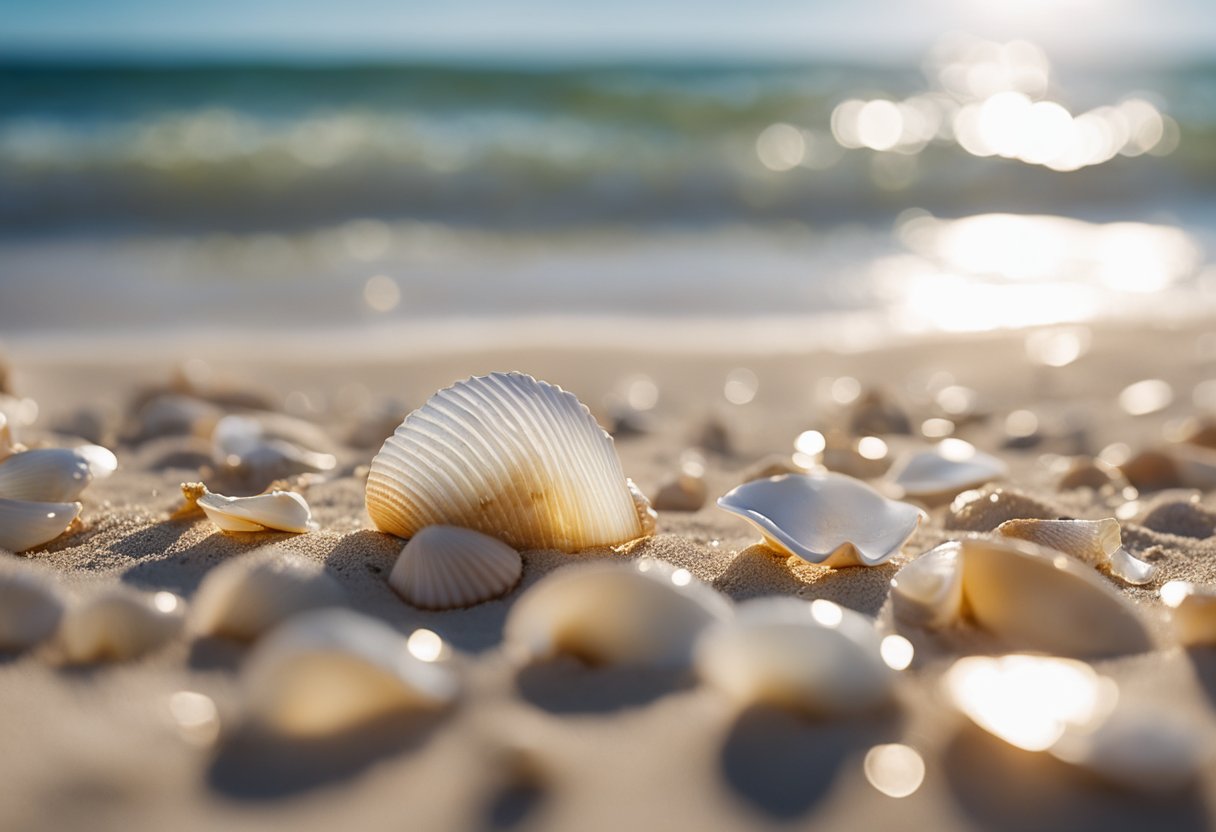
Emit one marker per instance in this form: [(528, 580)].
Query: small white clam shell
[(509, 456), (25, 524), (30, 604), (815, 657), (120, 623), (950, 467), (446, 567), (283, 511), (1192, 611), (928, 591), (244, 597), (643, 613), (831, 519), (1096, 542), (324, 671), (48, 475)]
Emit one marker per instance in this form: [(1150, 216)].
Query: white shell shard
[(1096, 542), (1038, 599), (950, 467), (283, 511), (643, 613), (48, 475), (244, 444), (30, 604), (25, 524), (509, 456), (446, 567), (815, 657), (928, 591), (102, 461), (830, 519), (120, 623), (1193, 612), (244, 597), (325, 671)]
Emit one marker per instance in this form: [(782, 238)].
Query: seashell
[(645, 613), (1151, 470), (985, 509), (445, 567), (1150, 752), (815, 657), (1184, 518), (176, 415), (120, 623), (928, 591), (1193, 611), (325, 671), (1087, 472), (828, 518), (283, 511), (49, 475), (1096, 542), (950, 467), (245, 446), (30, 605), (875, 413), (512, 457), (685, 492), (25, 524), (244, 597)]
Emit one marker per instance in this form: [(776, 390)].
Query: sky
[(1090, 30)]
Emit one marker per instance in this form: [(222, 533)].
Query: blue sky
[(1109, 30)]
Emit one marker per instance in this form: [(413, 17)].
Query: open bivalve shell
[(1096, 542), (446, 567), (30, 604), (119, 623), (1030, 597), (1192, 611), (244, 597), (282, 511), (949, 467), (328, 670), (830, 519), (816, 657), (643, 613), (25, 524), (512, 457)]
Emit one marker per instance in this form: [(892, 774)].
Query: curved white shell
[(950, 467), (283, 511), (324, 671), (1193, 611), (1096, 542), (30, 605), (253, 447), (120, 623), (509, 456), (928, 591), (815, 657), (828, 518), (25, 524), (445, 567), (644, 613), (101, 460), (49, 475), (244, 597)]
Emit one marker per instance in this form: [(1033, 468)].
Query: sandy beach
[(561, 746)]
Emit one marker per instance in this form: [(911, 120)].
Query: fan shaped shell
[(446, 567), (509, 456)]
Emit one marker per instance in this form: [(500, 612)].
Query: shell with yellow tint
[(446, 567), (120, 623), (1096, 542)]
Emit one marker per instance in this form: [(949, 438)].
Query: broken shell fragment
[(950, 467), (827, 518), (48, 475), (25, 524), (928, 591), (446, 567), (509, 456), (30, 604), (329, 670), (815, 657), (1096, 542), (1192, 611), (643, 613), (283, 511), (120, 623), (244, 597), (985, 509), (247, 447)]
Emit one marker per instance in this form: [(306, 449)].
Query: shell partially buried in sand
[(447, 567), (829, 519), (1098, 543), (1192, 612), (644, 613), (119, 623), (510, 456), (982, 510), (31, 604), (949, 467), (25, 524), (283, 511)]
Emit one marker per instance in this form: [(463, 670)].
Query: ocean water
[(138, 197)]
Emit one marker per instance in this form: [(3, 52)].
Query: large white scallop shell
[(816, 657), (119, 623), (831, 519), (283, 511), (48, 475), (445, 567), (25, 524), (928, 591), (949, 467), (324, 671), (509, 456), (244, 597), (30, 604), (1096, 542), (643, 613)]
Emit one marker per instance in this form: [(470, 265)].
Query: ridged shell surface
[(50, 475), (446, 567), (1096, 542), (25, 524), (510, 456)]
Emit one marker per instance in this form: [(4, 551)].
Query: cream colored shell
[(25, 524), (949, 467), (283, 511), (446, 567), (1192, 612), (31, 604), (47, 475), (1096, 542), (119, 623), (928, 591), (510, 456)]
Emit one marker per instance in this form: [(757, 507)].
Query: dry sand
[(563, 747)]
